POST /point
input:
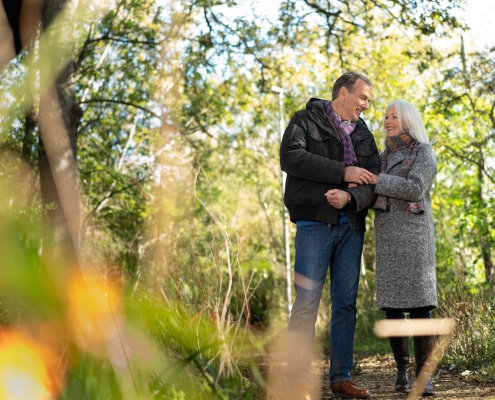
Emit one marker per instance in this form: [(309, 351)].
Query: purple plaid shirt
[(344, 129)]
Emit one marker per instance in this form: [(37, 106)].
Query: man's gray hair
[(348, 80)]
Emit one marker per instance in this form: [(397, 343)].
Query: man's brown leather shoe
[(348, 390)]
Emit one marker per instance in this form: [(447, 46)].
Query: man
[(327, 152)]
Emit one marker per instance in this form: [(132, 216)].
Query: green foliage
[(116, 85), (92, 379), (464, 102), (166, 347), (181, 185), (474, 314)]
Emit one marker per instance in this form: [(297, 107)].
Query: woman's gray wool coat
[(405, 242)]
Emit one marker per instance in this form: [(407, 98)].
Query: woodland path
[(378, 375)]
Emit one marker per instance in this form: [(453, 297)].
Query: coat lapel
[(394, 159)]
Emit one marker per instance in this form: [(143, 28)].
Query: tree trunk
[(59, 121), (29, 142), (484, 231)]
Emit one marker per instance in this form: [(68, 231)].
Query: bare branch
[(122, 40), (321, 10), (491, 177), (83, 51), (252, 51), (334, 14), (125, 103), (492, 116), (461, 156), (474, 162)]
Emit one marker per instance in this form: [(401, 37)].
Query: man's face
[(353, 104)]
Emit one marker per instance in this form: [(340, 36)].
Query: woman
[(404, 235)]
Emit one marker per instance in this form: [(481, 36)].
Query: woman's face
[(391, 123)]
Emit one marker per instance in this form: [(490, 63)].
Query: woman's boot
[(401, 355), (423, 346)]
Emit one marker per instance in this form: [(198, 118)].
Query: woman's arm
[(419, 181)]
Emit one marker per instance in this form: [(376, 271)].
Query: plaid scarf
[(393, 144), (344, 129)]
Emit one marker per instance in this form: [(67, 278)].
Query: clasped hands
[(354, 176)]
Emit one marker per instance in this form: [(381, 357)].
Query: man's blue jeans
[(317, 248)]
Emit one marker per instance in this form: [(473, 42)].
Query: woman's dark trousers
[(423, 346)]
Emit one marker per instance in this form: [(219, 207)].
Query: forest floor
[(377, 373)]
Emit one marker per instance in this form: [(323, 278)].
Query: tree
[(465, 97), (59, 122)]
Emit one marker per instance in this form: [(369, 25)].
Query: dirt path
[(378, 375)]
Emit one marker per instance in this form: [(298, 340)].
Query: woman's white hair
[(409, 118)]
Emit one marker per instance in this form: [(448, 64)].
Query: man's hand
[(357, 175), (338, 198)]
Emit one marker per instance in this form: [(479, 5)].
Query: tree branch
[(252, 51), (125, 103), (121, 40), (329, 14), (82, 53), (492, 116), (461, 156), (475, 162), (492, 178), (321, 10)]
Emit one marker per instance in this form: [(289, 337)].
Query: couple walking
[(334, 174)]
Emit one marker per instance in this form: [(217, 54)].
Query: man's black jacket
[(312, 155)]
